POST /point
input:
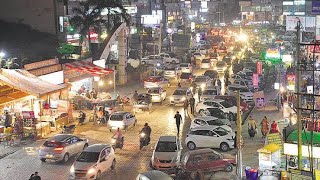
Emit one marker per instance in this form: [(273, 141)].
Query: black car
[(186, 77), (211, 74)]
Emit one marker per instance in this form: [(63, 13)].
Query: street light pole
[(114, 82), (239, 138)]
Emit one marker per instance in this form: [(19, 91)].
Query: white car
[(157, 94), (213, 122), (121, 120), (203, 81), (244, 82), (205, 64), (152, 60), (210, 93), (245, 93), (169, 59), (180, 95), (226, 107), (186, 68), (166, 154), (208, 137), (171, 71), (156, 81), (93, 162)]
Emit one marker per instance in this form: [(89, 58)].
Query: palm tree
[(87, 18)]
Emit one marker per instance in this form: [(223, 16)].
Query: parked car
[(93, 162), (158, 94), (205, 64), (210, 93), (233, 100), (61, 147), (166, 154), (121, 120), (180, 95), (226, 107), (209, 121), (244, 82), (213, 74), (217, 113), (156, 81), (152, 60), (144, 103), (171, 71), (206, 160), (203, 81), (186, 78), (245, 93), (153, 175), (186, 68), (208, 137), (167, 58), (221, 66)]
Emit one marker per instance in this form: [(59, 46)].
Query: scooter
[(117, 143), (68, 129), (143, 140)]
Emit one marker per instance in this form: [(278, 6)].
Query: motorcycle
[(68, 129), (143, 140), (117, 143)]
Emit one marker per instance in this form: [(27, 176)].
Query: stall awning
[(89, 68), (306, 137), (13, 81), (270, 148)]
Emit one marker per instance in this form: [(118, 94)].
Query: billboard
[(273, 53), (315, 7), (308, 23)]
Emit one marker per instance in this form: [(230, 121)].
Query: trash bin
[(253, 173), (247, 171)]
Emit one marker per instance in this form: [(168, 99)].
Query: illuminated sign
[(273, 53)]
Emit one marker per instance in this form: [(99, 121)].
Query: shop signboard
[(28, 114), (291, 22), (255, 80), (291, 78), (274, 138), (54, 78), (181, 40), (273, 53), (315, 7), (259, 68), (300, 175), (40, 64)]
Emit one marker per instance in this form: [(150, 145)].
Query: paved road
[(130, 160)]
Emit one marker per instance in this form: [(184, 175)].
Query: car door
[(109, 158), (103, 162), (72, 146), (213, 140), (78, 143), (129, 119), (204, 139), (199, 162), (220, 136), (213, 162)]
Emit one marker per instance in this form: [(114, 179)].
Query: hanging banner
[(291, 78), (255, 80), (259, 68)]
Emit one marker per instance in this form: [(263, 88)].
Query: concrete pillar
[(122, 50)]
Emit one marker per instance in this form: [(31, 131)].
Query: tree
[(66, 50)]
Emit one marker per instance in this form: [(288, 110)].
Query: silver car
[(210, 93), (180, 95), (61, 147)]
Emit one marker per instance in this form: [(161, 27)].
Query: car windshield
[(180, 92), (116, 117), (185, 75), (153, 91), (216, 122), (215, 112), (197, 54), (206, 61), (52, 144), (210, 92), (184, 65), (164, 146), (88, 157), (200, 79), (225, 104), (170, 68), (220, 63)]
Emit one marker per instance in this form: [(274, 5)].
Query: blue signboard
[(316, 7)]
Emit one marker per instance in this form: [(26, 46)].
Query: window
[(202, 132), (214, 104), (199, 122), (164, 146), (103, 154), (212, 156), (221, 132), (198, 158), (207, 103), (216, 122)]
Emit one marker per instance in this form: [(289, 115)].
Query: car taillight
[(59, 149), (110, 109)]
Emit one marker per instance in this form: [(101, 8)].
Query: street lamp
[(2, 54)]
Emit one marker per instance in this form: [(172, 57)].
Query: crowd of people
[(264, 125)]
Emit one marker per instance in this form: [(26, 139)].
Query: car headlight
[(224, 68), (183, 99), (142, 134), (113, 141), (203, 86), (91, 171), (191, 88), (171, 98), (72, 169), (215, 68)]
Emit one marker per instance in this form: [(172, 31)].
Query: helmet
[(146, 124)]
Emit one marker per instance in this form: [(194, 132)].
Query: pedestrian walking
[(219, 82), (185, 107), (7, 120), (199, 94), (35, 176), (192, 102), (252, 127), (178, 121), (274, 127), (94, 93), (135, 97), (264, 127)]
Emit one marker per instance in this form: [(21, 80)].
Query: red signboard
[(28, 114), (259, 68), (255, 80), (313, 48)]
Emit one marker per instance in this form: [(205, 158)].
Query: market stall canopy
[(270, 148), (18, 83), (306, 137), (89, 68)]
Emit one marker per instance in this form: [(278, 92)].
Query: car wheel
[(85, 146), (98, 175), (113, 165), (224, 147), (191, 145), (228, 168), (65, 158), (43, 159)]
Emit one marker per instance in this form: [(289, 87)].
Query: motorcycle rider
[(118, 134), (135, 97), (147, 130)]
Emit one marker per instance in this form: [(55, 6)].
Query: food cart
[(144, 103), (269, 157)]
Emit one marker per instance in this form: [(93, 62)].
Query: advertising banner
[(315, 7), (259, 68), (255, 80), (291, 78), (308, 24)]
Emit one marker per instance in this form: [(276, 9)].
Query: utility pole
[(239, 138), (160, 38), (141, 41), (298, 93)]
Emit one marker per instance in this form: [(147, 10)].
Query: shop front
[(35, 107)]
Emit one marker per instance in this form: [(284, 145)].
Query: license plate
[(49, 156)]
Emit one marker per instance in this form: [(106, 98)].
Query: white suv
[(166, 154), (226, 107), (93, 161)]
